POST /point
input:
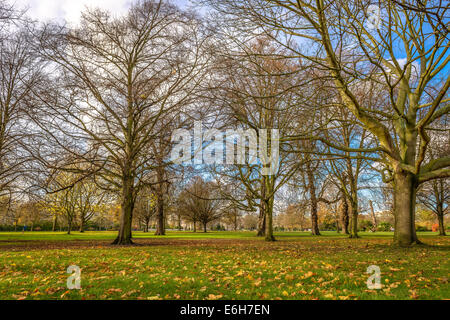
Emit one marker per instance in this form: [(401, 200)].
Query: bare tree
[(145, 208), (435, 195), (20, 72), (232, 216), (341, 39), (350, 166), (62, 201), (258, 94), (199, 203), (119, 78), (89, 199)]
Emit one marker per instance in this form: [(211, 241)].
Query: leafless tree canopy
[(358, 96)]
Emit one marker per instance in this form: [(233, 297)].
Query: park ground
[(221, 265)]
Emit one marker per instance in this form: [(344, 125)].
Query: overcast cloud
[(70, 10)]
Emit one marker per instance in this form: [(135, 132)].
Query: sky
[(70, 10)]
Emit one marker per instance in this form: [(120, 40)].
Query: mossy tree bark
[(82, 225), (344, 213), (126, 217), (55, 222), (313, 200), (262, 210), (405, 187), (269, 182), (441, 224), (269, 221), (160, 225), (354, 216)]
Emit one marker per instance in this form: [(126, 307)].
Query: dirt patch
[(299, 246), (25, 245)]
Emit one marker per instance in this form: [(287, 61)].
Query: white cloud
[(69, 10)]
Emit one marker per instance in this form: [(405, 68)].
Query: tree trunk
[(439, 193), (312, 192), (353, 200), (374, 217), (126, 217), (69, 226), (261, 222), (405, 188), (82, 225), (354, 224), (262, 210), (195, 226), (204, 227), (314, 219), (160, 219), (269, 220), (440, 217), (54, 223), (160, 227), (344, 214)]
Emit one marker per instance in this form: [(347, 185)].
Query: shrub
[(219, 228), (384, 226), (421, 228), (365, 225)]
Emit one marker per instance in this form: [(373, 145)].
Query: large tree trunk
[(82, 225), (405, 188), (314, 219), (353, 200), (338, 224), (69, 226), (204, 227), (269, 221), (261, 221), (54, 223), (344, 214), (441, 225), (262, 210), (440, 217), (146, 223), (160, 225), (354, 223), (160, 219), (195, 226), (312, 192), (126, 217)]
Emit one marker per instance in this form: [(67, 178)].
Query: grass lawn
[(221, 265)]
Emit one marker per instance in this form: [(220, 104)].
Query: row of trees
[(361, 110), (197, 204)]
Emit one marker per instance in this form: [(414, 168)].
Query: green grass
[(241, 235), (221, 265)]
